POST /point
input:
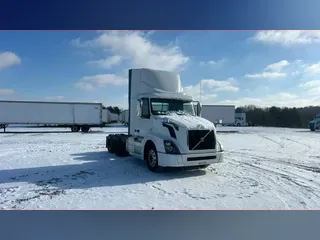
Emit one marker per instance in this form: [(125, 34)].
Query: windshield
[(167, 106)]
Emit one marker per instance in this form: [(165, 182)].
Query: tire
[(107, 142), (116, 145), (312, 129), (152, 159), (238, 124), (122, 140), (85, 129), (75, 128), (111, 144)]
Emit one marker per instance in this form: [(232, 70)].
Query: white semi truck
[(315, 123), (241, 119), (163, 128), (75, 115)]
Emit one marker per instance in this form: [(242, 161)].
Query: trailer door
[(87, 114)]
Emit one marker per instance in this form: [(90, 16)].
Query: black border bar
[(262, 225)]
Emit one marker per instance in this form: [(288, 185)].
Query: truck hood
[(187, 121)]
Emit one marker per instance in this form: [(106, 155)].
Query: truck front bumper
[(189, 160)]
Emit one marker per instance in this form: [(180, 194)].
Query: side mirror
[(199, 108)]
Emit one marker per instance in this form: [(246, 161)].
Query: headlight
[(170, 147)]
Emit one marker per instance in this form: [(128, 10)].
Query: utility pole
[(200, 89)]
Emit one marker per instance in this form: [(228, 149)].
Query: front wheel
[(152, 159)]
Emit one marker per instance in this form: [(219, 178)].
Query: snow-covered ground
[(54, 168)]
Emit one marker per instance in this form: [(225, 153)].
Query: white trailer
[(163, 127), (76, 115), (223, 114), (112, 117), (125, 117)]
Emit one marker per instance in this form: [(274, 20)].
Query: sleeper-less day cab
[(165, 127), (315, 123)]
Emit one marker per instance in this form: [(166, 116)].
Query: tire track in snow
[(283, 161), (267, 177), (291, 140), (288, 178), (281, 144), (265, 185)]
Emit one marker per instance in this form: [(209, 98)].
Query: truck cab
[(165, 127), (240, 119), (315, 123)]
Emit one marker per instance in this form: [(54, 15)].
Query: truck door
[(142, 126)]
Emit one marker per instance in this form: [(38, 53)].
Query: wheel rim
[(152, 158)]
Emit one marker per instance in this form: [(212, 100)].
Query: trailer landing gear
[(116, 143), (4, 126)]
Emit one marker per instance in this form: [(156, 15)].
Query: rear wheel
[(110, 143), (115, 144), (121, 143), (85, 129)]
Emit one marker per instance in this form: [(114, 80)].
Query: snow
[(269, 168), (188, 121)]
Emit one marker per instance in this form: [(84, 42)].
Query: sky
[(263, 68)]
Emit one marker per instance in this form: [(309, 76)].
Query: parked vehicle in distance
[(163, 127), (219, 114), (315, 123), (240, 119), (76, 115)]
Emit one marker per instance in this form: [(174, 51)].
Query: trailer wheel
[(85, 129), (75, 128), (152, 158)]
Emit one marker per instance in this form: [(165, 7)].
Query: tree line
[(279, 117), (115, 110)]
